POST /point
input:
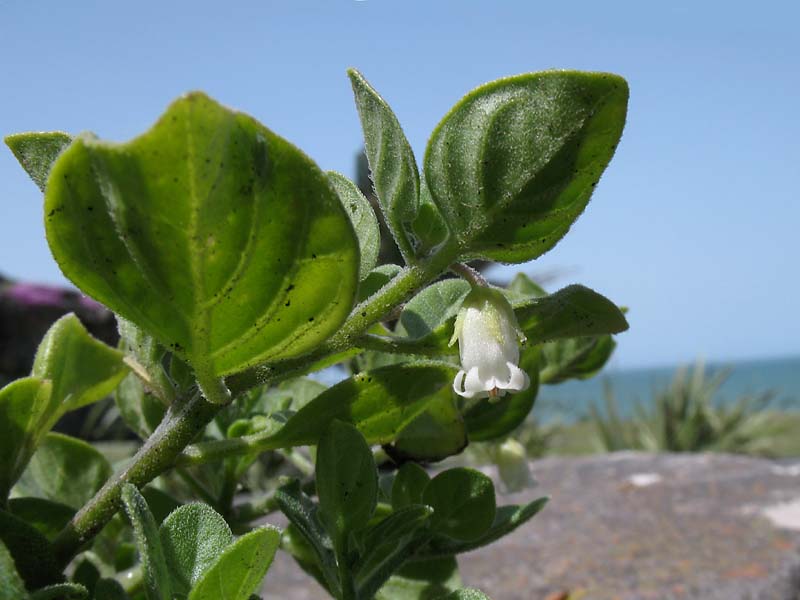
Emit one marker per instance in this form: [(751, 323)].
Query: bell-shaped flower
[(488, 342), (513, 467)]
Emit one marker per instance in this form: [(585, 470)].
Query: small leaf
[(11, 584), (575, 358), (514, 163), (304, 516), (32, 552), (434, 435), (109, 589), (238, 571), (465, 594), (463, 503), (37, 151), (422, 580), (425, 318), (392, 163), (377, 278), (209, 232), (494, 420), (27, 411), (388, 544), (524, 286), (156, 573), (378, 403), (363, 218), (347, 481), (408, 486), (64, 469), (193, 537), (506, 520), (570, 312), (83, 370), (140, 409), (46, 516), (61, 591)]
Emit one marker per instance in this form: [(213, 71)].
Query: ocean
[(569, 401)]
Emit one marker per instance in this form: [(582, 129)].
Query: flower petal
[(518, 381)]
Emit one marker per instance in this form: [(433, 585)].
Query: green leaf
[(494, 420), (158, 583), (37, 151), (27, 411), (524, 286), (377, 278), (32, 552), (466, 594), (109, 589), (11, 584), (378, 403), (304, 516), (463, 503), (64, 469), (61, 591), (392, 163), (434, 435), (422, 580), (426, 318), (514, 163), (347, 481), (570, 312), (46, 516), (506, 520), (149, 355), (83, 370), (388, 545), (160, 503), (138, 407), (193, 537), (240, 568), (363, 218), (209, 232), (575, 358), (408, 486)]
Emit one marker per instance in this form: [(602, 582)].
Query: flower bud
[(488, 342)]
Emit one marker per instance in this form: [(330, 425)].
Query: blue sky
[(693, 226)]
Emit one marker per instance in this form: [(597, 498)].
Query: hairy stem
[(471, 275), (185, 419)]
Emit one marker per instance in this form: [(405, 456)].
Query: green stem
[(397, 345), (471, 275), (186, 419), (181, 425)]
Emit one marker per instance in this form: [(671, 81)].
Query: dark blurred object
[(26, 312)]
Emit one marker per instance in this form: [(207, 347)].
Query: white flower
[(488, 341)]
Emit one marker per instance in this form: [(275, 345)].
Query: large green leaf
[(513, 164), (365, 223), (27, 411), (392, 163), (463, 503), (11, 585), (238, 571), (65, 470), (493, 420), (37, 151), (346, 480), (158, 583), (408, 485), (83, 370), (192, 537), (210, 232)]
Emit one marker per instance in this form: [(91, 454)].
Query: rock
[(632, 526)]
